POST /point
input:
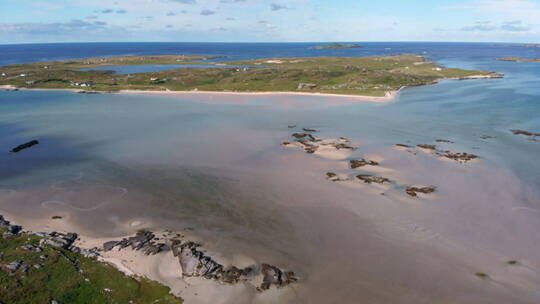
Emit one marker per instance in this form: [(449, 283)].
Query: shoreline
[(389, 96), (163, 267)]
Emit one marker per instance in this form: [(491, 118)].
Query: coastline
[(162, 267), (389, 96)]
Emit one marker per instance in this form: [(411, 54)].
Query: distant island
[(336, 46), (534, 45), (518, 59), (357, 76)]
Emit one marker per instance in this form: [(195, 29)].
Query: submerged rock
[(444, 141), (413, 191), (24, 146), (309, 130)]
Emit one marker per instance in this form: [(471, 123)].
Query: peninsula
[(353, 76)]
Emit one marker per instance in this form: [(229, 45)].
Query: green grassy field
[(371, 76), (69, 278)]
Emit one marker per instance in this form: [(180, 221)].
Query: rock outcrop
[(368, 179), (24, 146), (413, 191), (362, 162), (526, 133), (195, 263)]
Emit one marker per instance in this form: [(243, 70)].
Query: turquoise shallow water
[(213, 163)]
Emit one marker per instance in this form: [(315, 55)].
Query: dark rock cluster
[(461, 157), (413, 191), (368, 179), (11, 229), (526, 133), (362, 162), (144, 240), (195, 263)]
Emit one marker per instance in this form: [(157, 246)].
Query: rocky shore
[(193, 261), (196, 263)]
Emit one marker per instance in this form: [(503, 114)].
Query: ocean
[(214, 164)]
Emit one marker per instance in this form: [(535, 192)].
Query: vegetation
[(56, 274), (336, 46), (372, 76)]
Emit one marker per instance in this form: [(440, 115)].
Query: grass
[(371, 76), (60, 280)]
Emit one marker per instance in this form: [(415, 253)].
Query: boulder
[(24, 146), (363, 162), (413, 191), (368, 179)]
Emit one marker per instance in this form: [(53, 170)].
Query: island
[(518, 59), (336, 46), (533, 45), (373, 77)]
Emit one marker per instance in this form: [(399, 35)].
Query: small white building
[(4, 75)]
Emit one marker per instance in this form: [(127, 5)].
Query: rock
[(309, 130), (309, 86), (523, 132), (108, 246), (285, 143), (413, 191), (272, 275), (368, 179), (27, 247), (428, 147), (38, 266), (340, 146), (13, 266), (462, 157), (403, 146), (303, 135), (291, 126), (54, 302), (24, 146), (444, 141), (363, 162), (56, 217)]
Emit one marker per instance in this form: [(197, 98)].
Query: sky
[(42, 21)]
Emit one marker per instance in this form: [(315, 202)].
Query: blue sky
[(32, 21)]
